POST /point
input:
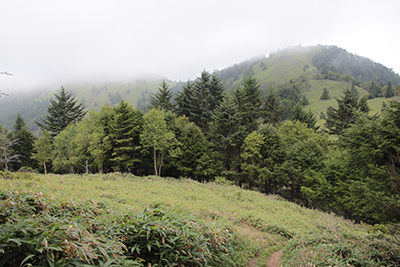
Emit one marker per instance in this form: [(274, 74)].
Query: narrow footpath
[(273, 261)]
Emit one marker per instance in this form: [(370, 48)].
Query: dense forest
[(244, 136)]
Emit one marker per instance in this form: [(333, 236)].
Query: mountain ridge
[(300, 67)]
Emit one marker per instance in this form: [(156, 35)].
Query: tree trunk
[(155, 160), (44, 165), (161, 164)]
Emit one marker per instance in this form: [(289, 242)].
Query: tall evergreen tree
[(216, 91), (62, 111), (325, 95), (272, 109), (24, 145), (184, 100), (248, 101), (307, 117), (200, 108), (162, 99), (342, 117), (126, 128), (227, 134), (389, 90)]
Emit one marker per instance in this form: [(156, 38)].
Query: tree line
[(350, 167)]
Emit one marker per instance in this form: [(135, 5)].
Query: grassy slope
[(288, 65), (265, 220), (98, 92)]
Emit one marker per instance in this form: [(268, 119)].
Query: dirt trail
[(273, 261)]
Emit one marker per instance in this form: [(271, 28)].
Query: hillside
[(33, 105), (264, 224), (307, 69), (300, 68)]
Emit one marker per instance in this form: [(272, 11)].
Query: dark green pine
[(162, 99), (184, 100), (23, 145), (126, 128), (62, 111)]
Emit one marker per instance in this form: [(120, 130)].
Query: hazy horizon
[(49, 43)]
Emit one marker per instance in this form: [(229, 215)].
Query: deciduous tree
[(156, 136), (42, 150), (6, 142)]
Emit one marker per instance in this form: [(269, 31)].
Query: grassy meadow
[(265, 224)]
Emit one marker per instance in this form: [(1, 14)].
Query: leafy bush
[(27, 169), (342, 249), (16, 175), (162, 239), (222, 181), (36, 232)]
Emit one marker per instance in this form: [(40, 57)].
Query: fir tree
[(307, 117), (248, 101), (62, 111), (325, 95), (389, 90), (125, 130), (216, 91), (200, 107), (24, 146), (162, 99), (184, 100), (226, 134), (342, 117), (272, 110)]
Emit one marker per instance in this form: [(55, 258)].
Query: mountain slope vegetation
[(309, 69), (245, 224)]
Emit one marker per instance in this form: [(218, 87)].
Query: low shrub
[(16, 175), (343, 249), (36, 232)]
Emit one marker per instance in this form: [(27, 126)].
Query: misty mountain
[(360, 68), (298, 74)]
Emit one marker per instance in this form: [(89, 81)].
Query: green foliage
[(222, 181), (331, 245), (16, 175), (156, 136), (360, 68), (42, 150), (7, 141), (307, 117), (24, 144), (124, 132), (192, 146), (325, 95), (61, 112), (248, 102), (227, 134), (36, 232), (162, 100), (342, 117), (272, 109), (162, 239), (389, 90)]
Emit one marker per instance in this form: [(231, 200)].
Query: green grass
[(268, 222)]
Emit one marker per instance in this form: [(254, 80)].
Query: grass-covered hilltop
[(298, 153)]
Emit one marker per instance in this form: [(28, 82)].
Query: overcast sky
[(56, 42)]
